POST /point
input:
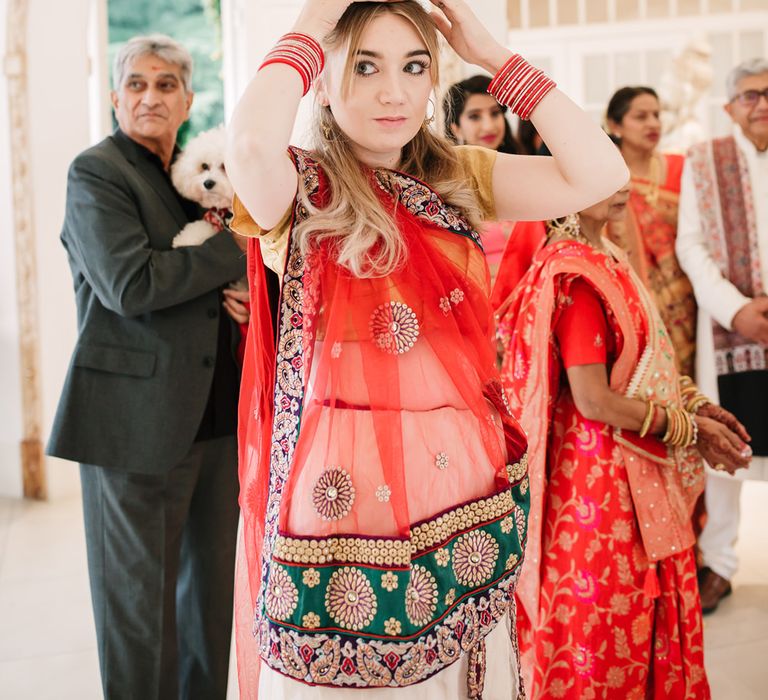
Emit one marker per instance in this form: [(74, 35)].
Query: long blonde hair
[(366, 239)]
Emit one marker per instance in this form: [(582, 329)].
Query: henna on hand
[(725, 417)]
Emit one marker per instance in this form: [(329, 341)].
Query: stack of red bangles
[(520, 86), (301, 52)]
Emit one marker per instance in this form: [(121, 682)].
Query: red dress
[(599, 634)]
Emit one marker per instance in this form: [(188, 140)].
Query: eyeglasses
[(749, 98)]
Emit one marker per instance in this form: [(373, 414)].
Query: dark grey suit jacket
[(147, 314)]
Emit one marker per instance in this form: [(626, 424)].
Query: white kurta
[(716, 297)]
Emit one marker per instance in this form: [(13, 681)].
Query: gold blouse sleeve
[(478, 165), (273, 243)]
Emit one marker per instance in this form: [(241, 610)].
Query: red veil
[(380, 530)]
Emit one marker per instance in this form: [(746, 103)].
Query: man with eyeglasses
[(722, 245)]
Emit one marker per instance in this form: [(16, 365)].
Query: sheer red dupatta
[(377, 411), (255, 415)]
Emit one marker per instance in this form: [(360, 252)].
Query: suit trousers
[(161, 554)]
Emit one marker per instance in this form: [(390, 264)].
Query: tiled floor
[(48, 646)]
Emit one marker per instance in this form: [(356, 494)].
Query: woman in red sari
[(383, 482), (648, 229), (608, 604)]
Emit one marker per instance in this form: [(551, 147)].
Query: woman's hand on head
[(720, 446), (467, 35), (318, 18)]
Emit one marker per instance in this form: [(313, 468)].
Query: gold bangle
[(667, 434), (650, 413), (696, 403)]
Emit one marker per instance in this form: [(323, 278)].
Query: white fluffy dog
[(198, 174)]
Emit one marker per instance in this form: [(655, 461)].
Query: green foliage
[(194, 23)]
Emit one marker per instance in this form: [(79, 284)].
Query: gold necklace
[(649, 188)]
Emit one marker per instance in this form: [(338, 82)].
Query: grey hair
[(160, 45), (754, 66)]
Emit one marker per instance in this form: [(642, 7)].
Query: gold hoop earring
[(430, 120)]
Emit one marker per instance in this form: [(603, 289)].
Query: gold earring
[(326, 129), (430, 120), (567, 226)]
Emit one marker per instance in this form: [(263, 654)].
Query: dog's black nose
[(209, 184)]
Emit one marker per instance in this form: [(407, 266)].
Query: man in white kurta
[(722, 244)]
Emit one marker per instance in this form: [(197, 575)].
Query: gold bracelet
[(650, 414), (694, 404), (667, 434)]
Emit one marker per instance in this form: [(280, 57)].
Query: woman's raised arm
[(260, 129), (585, 166)]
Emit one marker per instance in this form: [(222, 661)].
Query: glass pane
[(567, 12), (627, 10), (539, 13), (658, 8), (722, 61), (596, 79), (597, 10), (514, 16), (751, 45)]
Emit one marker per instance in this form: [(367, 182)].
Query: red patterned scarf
[(727, 211)]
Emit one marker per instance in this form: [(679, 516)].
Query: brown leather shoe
[(712, 589)]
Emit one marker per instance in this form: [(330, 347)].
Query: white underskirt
[(451, 683)]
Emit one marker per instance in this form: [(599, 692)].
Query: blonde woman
[(383, 481)]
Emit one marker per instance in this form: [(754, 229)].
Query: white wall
[(58, 120), (59, 127), (10, 387)]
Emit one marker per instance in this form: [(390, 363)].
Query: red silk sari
[(609, 603), (647, 234), (383, 481)]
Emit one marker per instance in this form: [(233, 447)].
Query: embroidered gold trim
[(518, 470), (388, 552)]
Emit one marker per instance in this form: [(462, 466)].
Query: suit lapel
[(154, 177)]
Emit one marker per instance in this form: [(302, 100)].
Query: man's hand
[(751, 322), (236, 304)]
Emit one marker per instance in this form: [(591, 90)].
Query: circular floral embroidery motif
[(394, 327), (421, 596), (393, 627), (333, 494), (389, 581), (441, 461), (311, 620), (282, 595), (311, 578), (350, 599), (474, 558), (383, 493)]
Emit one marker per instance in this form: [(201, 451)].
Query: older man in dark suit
[(150, 400)]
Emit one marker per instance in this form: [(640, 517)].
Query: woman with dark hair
[(648, 230), (475, 118), (608, 605)]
